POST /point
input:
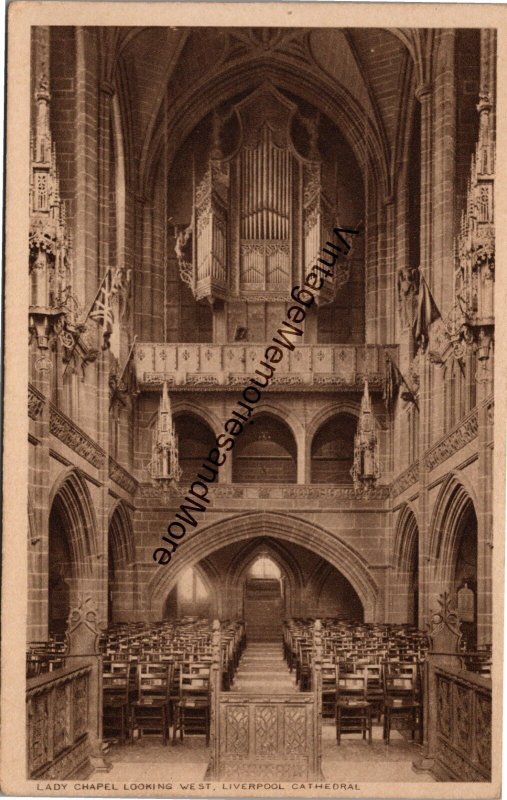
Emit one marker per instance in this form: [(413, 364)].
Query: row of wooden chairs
[(142, 698), (45, 656), (157, 676), (391, 691)]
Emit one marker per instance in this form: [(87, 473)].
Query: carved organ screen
[(265, 192), (260, 212), (253, 195)]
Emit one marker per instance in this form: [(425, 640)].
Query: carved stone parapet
[(298, 492), (36, 402), (71, 435), (449, 444), (120, 476), (405, 480)]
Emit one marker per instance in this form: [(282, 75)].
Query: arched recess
[(322, 416), (332, 450), (332, 595), (72, 547), (454, 496), (195, 440), (455, 553), (406, 564), (251, 525), (122, 577), (266, 452), (281, 555), (194, 594)]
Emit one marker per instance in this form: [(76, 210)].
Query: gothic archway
[(72, 544), (279, 553), (406, 562), (121, 565), (282, 527)]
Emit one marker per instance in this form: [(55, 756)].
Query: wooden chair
[(193, 709), (402, 704), (329, 688), (150, 711), (353, 711), (375, 688), (304, 671), (115, 700)]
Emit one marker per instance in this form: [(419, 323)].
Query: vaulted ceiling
[(169, 78)]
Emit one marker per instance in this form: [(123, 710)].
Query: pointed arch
[(340, 106), (282, 527), (455, 498), (282, 557), (72, 495), (121, 534), (405, 597), (405, 538), (72, 547)]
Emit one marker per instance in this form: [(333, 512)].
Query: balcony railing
[(228, 366)]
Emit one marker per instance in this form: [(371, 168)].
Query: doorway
[(264, 601)]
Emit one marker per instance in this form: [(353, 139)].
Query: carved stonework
[(36, 403), (120, 476), (68, 432), (452, 442), (444, 630), (471, 320), (405, 480), (53, 307), (366, 469), (82, 635)]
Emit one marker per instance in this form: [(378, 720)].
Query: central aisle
[(263, 670)]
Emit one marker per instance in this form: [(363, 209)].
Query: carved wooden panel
[(39, 731), (296, 730), (266, 729), (483, 727), (58, 723), (463, 726), (62, 709), (444, 689), (236, 729), (463, 717), (267, 737), (80, 706)]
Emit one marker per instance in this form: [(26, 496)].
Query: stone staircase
[(263, 670)]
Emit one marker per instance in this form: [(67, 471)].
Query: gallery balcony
[(223, 367)]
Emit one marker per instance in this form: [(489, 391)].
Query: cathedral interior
[(182, 182)]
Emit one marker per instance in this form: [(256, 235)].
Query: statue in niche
[(183, 250), (408, 286)]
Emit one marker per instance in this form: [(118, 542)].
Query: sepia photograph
[(254, 519)]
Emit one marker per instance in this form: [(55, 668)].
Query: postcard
[(254, 510)]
